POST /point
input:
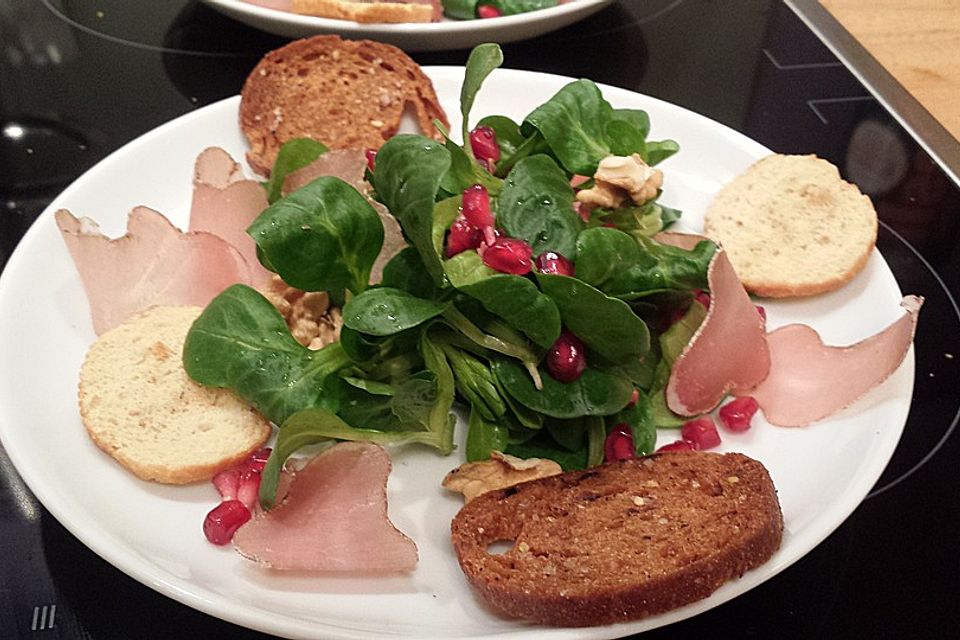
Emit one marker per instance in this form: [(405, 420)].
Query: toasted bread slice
[(621, 541), (139, 406), (792, 227), (347, 94), (367, 11)]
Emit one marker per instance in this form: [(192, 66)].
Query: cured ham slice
[(333, 518), (809, 381), (225, 204), (728, 352), (349, 165), (154, 263)]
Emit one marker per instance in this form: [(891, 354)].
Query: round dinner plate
[(153, 532), (431, 36)]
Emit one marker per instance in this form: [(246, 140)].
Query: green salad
[(471, 9), (550, 325)]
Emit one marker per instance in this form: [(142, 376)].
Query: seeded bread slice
[(138, 404), (347, 94), (792, 227), (619, 542)]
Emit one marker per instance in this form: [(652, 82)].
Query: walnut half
[(500, 471)]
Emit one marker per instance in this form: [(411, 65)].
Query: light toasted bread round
[(792, 227), (619, 542), (138, 404), (369, 11), (347, 94)]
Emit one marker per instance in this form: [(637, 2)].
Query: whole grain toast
[(347, 94), (619, 542), (140, 407), (792, 227)]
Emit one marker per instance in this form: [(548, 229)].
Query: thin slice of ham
[(349, 165), (153, 263), (225, 203), (809, 381), (728, 352), (333, 518)]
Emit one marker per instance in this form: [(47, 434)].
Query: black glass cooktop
[(78, 78)]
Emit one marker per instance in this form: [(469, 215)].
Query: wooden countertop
[(917, 42)]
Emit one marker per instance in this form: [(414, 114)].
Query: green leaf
[(640, 418), (606, 325), (536, 205), (662, 267), (597, 392), (321, 237), (602, 253), (408, 172), (484, 436), (405, 271), (514, 7), (475, 383), (384, 311), (294, 154), (241, 342), (482, 61), (460, 9), (439, 419), (513, 298), (543, 446), (464, 171)]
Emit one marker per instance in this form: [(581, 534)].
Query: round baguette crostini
[(619, 542)]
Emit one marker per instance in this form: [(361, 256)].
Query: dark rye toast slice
[(347, 94), (619, 542)]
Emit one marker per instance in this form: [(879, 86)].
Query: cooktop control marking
[(43, 617)]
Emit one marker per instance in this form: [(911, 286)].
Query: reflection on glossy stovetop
[(81, 78)]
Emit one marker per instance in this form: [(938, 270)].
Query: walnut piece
[(500, 471), (309, 316), (622, 178)]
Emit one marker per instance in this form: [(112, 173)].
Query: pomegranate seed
[(462, 236), (567, 358), (618, 444), (483, 141), (248, 490), (224, 520), (258, 459), (678, 445), (227, 483), (371, 155), (508, 255), (634, 398), (488, 11), (701, 433), (553, 262), (762, 312), (475, 206), (576, 180), (702, 297), (737, 414)]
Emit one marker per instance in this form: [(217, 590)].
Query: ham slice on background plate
[(332, 518), (795, 378)]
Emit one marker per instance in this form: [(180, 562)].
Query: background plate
[(153, 533), (434, 36)]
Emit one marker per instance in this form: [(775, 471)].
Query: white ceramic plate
[(153, 532), (434, 36)]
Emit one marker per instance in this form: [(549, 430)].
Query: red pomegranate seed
[(702, 297), (619, 444), (227, 483), (258, 459), (567, 358), (462, 236), (488, 11), (634, 398), (475, 207), (248, 490), (576, 180), (224, 520), (371, 155), (553, 262), (483, 141), (737, 414), (677, 445), (508, 255), (701, 433), (762, 312)]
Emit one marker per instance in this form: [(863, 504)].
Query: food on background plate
[(346, 94), (793, 227), (332, 517), (399, 11), (139, 406), (619, 542)]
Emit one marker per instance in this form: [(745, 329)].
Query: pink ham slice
[(225, 204), (728, 352), (349, 165), (332, 519), (154, 263), (809, 381)]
